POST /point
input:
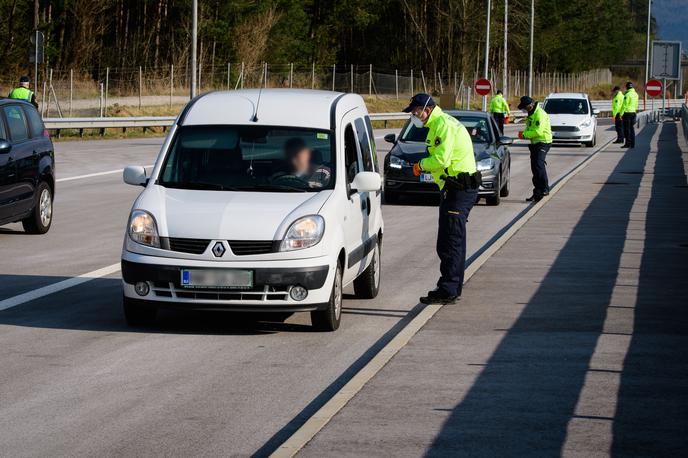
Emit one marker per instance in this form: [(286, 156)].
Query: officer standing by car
[(499, 108), (628, 111), (22, 92), (617, 103), (539, 132), (451, 162)]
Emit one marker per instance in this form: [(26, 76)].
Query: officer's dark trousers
[(538, 154), (499, 119), (629, 129), (451, 238), (618, 125)]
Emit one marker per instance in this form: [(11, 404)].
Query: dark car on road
[(27, 167), (491, 154)]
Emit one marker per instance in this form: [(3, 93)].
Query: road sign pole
[(194, 38), (505, 72), (663, 97), (35, 62), (487, 50), (530, 56)]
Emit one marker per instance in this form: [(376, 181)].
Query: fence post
[(141, 85), (107, 85), (334, 69), (229, 74), (422, 77), (370, 81), (171, 83), (242, 74), (352, 78), (71, 90), (468, 93), (101, 100), (266, 75), (396, 82), (411, 82), (291, 75), (50, 84), (313, 76)]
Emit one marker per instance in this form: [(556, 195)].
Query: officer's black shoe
[(536, 197), (625, 146), (618, 141), (438, 297)]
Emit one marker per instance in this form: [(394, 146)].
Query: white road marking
[(322, 417), (56, 287), (97, 174)]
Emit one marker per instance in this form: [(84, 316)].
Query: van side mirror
[(5, 146), (506, 140), (366, 182), (135, 175), (391, 138)]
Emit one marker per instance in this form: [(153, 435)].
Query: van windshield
[(566, 106), (250, 158)]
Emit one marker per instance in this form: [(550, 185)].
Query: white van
[(259, 201)]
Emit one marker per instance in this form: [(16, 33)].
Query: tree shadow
[(525, 396)]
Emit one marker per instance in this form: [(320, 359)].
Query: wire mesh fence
[(98, 91)]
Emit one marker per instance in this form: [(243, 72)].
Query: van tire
[(41, 217), (137, 313), (328, 320), (367, 285)]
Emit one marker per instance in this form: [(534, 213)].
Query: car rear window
[(16, 122), (35, 122)]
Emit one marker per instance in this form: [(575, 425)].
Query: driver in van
[(301, 165)]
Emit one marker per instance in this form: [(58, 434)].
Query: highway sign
[(653, 88), (483, 86), (666, 60)]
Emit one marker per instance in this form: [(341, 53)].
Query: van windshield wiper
[(200, 185)]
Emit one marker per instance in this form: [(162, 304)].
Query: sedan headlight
[(304, 233), (396, 162), (486, 164), (586, 123), (142, 229)]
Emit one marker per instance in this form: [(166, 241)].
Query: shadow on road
[(527, 392)]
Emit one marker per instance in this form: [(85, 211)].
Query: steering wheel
[(290, 180)]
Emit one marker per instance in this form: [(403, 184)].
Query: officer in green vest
[(499, 108), (628, 111), (22, 92), (539, 132), (617, 103), (451, 162)]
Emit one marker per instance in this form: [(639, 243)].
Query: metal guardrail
[(80, 124)]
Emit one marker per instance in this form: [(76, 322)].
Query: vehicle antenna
[(255, 113)]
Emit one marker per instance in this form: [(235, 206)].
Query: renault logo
[(218, 249)]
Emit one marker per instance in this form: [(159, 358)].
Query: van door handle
[(368, 203)]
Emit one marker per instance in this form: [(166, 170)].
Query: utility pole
[(487, 51), (647, 41), (530, 57), (194, 40), (505, 81), (36, 12)]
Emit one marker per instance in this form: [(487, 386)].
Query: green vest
[(617, 103), (630, 102), (21, 93), (498, 104), (449, 145), (538, 128)]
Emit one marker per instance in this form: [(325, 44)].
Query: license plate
[(426, 178), (217, 278)]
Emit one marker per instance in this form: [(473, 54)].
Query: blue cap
[(525, 101), (420, 100)]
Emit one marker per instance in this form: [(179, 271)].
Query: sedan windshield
[(477, 127), (566, 106), (249, 158)]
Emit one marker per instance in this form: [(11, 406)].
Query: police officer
[(499, 108), (22, 92), (539, 132), (451, 162), (628, 110), (617, 103)]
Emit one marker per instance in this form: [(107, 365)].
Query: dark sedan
[(491, 154)]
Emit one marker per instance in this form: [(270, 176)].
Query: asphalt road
[(74, 380)]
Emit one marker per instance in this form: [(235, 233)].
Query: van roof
[(568, 95), (277, 107)]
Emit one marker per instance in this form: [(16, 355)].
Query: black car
[(27, 167), (491, 154)]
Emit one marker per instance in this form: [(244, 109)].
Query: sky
[(672, 20)]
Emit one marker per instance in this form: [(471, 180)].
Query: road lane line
[(56, 287), (322, 416), (96, 174)]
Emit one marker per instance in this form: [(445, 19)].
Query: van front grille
[(192, 246), (249, 247)]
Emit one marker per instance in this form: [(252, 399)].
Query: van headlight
[(304, 233), (586, 123), (485, 164), (142, 229)]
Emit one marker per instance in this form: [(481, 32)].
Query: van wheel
[(329, 319), (138, 313), (38, 222), (367, 285)]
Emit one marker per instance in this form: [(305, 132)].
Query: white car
[(259, 201), (572, 117)]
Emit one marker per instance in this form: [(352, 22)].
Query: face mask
[(417, 123)]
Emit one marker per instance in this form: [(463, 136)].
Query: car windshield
[(477, 126), (566, 106), (250, 158)]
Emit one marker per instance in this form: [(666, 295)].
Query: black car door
[(23, 158), (7, 177), (39, 148)]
